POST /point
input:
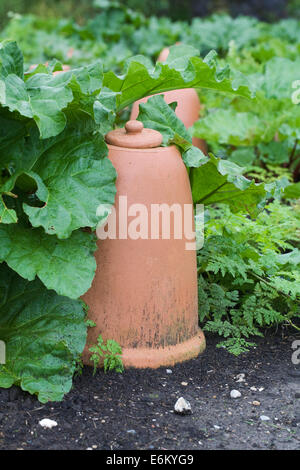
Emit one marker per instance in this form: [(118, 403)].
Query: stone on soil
[(182, 407), (48, 423)]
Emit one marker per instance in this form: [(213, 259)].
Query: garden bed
[(134, 410)]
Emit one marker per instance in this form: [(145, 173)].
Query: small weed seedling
[(111, 351)]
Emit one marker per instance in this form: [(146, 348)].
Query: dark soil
[(134, 410)]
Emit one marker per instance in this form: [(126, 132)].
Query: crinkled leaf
[(226, 126), (67, 266), (11, 59), (42, 98), (105, 110), (142, 80), (193, 157), (157, 114), (44, 334), (72, 178), (87, 80), (221, 181), (280, 73)]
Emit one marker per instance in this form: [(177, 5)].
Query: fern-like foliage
[(249, 273)]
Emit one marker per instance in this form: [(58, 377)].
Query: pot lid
[(134, 135)]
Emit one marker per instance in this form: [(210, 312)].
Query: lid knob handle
[(134, 127)]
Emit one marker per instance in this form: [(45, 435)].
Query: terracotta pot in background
[(188, 105), (144, 294)]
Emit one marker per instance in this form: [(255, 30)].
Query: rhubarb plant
[(54, 173)]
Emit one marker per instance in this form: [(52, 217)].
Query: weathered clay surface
[(144, 294)]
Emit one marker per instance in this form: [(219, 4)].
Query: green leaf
[(142, 80), (221, 181), (72, 177), (67, 266), (243, 156), (87, 80), (72, 189), (42, 97), (44, 334), (227, 126), (274, 153), (193, 157), (105, 110), (157, 114), (11, 59), (280, 73), (292, 191), (7, 216), (10, 130)]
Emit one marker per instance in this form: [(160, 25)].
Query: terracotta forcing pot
[(144, 294), (188, 105)]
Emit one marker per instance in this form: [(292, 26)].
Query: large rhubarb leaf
[(222, 181), (44, 335), (280, 74), (227, 126), (67, 266), (44, 96), (71, 177), (140, 79)]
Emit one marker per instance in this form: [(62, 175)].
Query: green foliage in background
[(175, 9)]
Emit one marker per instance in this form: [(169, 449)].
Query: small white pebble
[(240, 378), (264, 418), (235, 394), (131, 431), (47, 423), (184, 384), (182, 406)]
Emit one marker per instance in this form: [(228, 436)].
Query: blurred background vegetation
[(267, 10)]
